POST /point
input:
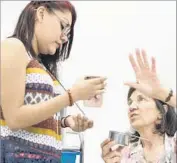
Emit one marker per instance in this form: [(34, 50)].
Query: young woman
[(31, 96)]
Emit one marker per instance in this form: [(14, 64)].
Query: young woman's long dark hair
[(24, 31), (168, 123)]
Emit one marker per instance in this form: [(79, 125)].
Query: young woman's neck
[(35, 45)]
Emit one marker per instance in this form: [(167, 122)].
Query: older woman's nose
[(133, 106)]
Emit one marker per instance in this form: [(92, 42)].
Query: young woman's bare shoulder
[(13, 50)]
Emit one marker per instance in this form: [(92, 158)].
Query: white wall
[(105, 33)]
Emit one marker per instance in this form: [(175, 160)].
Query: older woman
[(152, 117)]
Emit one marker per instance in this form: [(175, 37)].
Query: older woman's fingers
[(133, 64), (113, 154), (116, 159), (112, 157), (139, 59), (153, 66), (107, 148), (113, 160), (145, 59), (105, 142)]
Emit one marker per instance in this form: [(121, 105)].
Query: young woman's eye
[(62, 26)]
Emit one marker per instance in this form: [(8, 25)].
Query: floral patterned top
[(134, 153)]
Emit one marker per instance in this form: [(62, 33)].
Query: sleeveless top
[(40, 142)]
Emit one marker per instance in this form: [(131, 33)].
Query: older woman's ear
[(166, 108)]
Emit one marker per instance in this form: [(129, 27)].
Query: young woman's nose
[(64, 38)]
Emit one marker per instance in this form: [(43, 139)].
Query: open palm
[(146, 76)]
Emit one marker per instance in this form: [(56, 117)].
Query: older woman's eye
[(130, 102), (140, 98)]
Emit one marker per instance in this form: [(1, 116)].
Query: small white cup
[(96, 101)]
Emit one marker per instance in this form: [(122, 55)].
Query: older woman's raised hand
[(147, 80)]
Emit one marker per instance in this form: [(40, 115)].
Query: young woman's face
[(52, 29), (142, 111)]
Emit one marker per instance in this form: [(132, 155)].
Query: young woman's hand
[(85, 89), (79, 123)]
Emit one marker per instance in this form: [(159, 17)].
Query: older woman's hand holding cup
[(113, 146)]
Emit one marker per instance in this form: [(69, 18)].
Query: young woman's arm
[(13, 74)]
